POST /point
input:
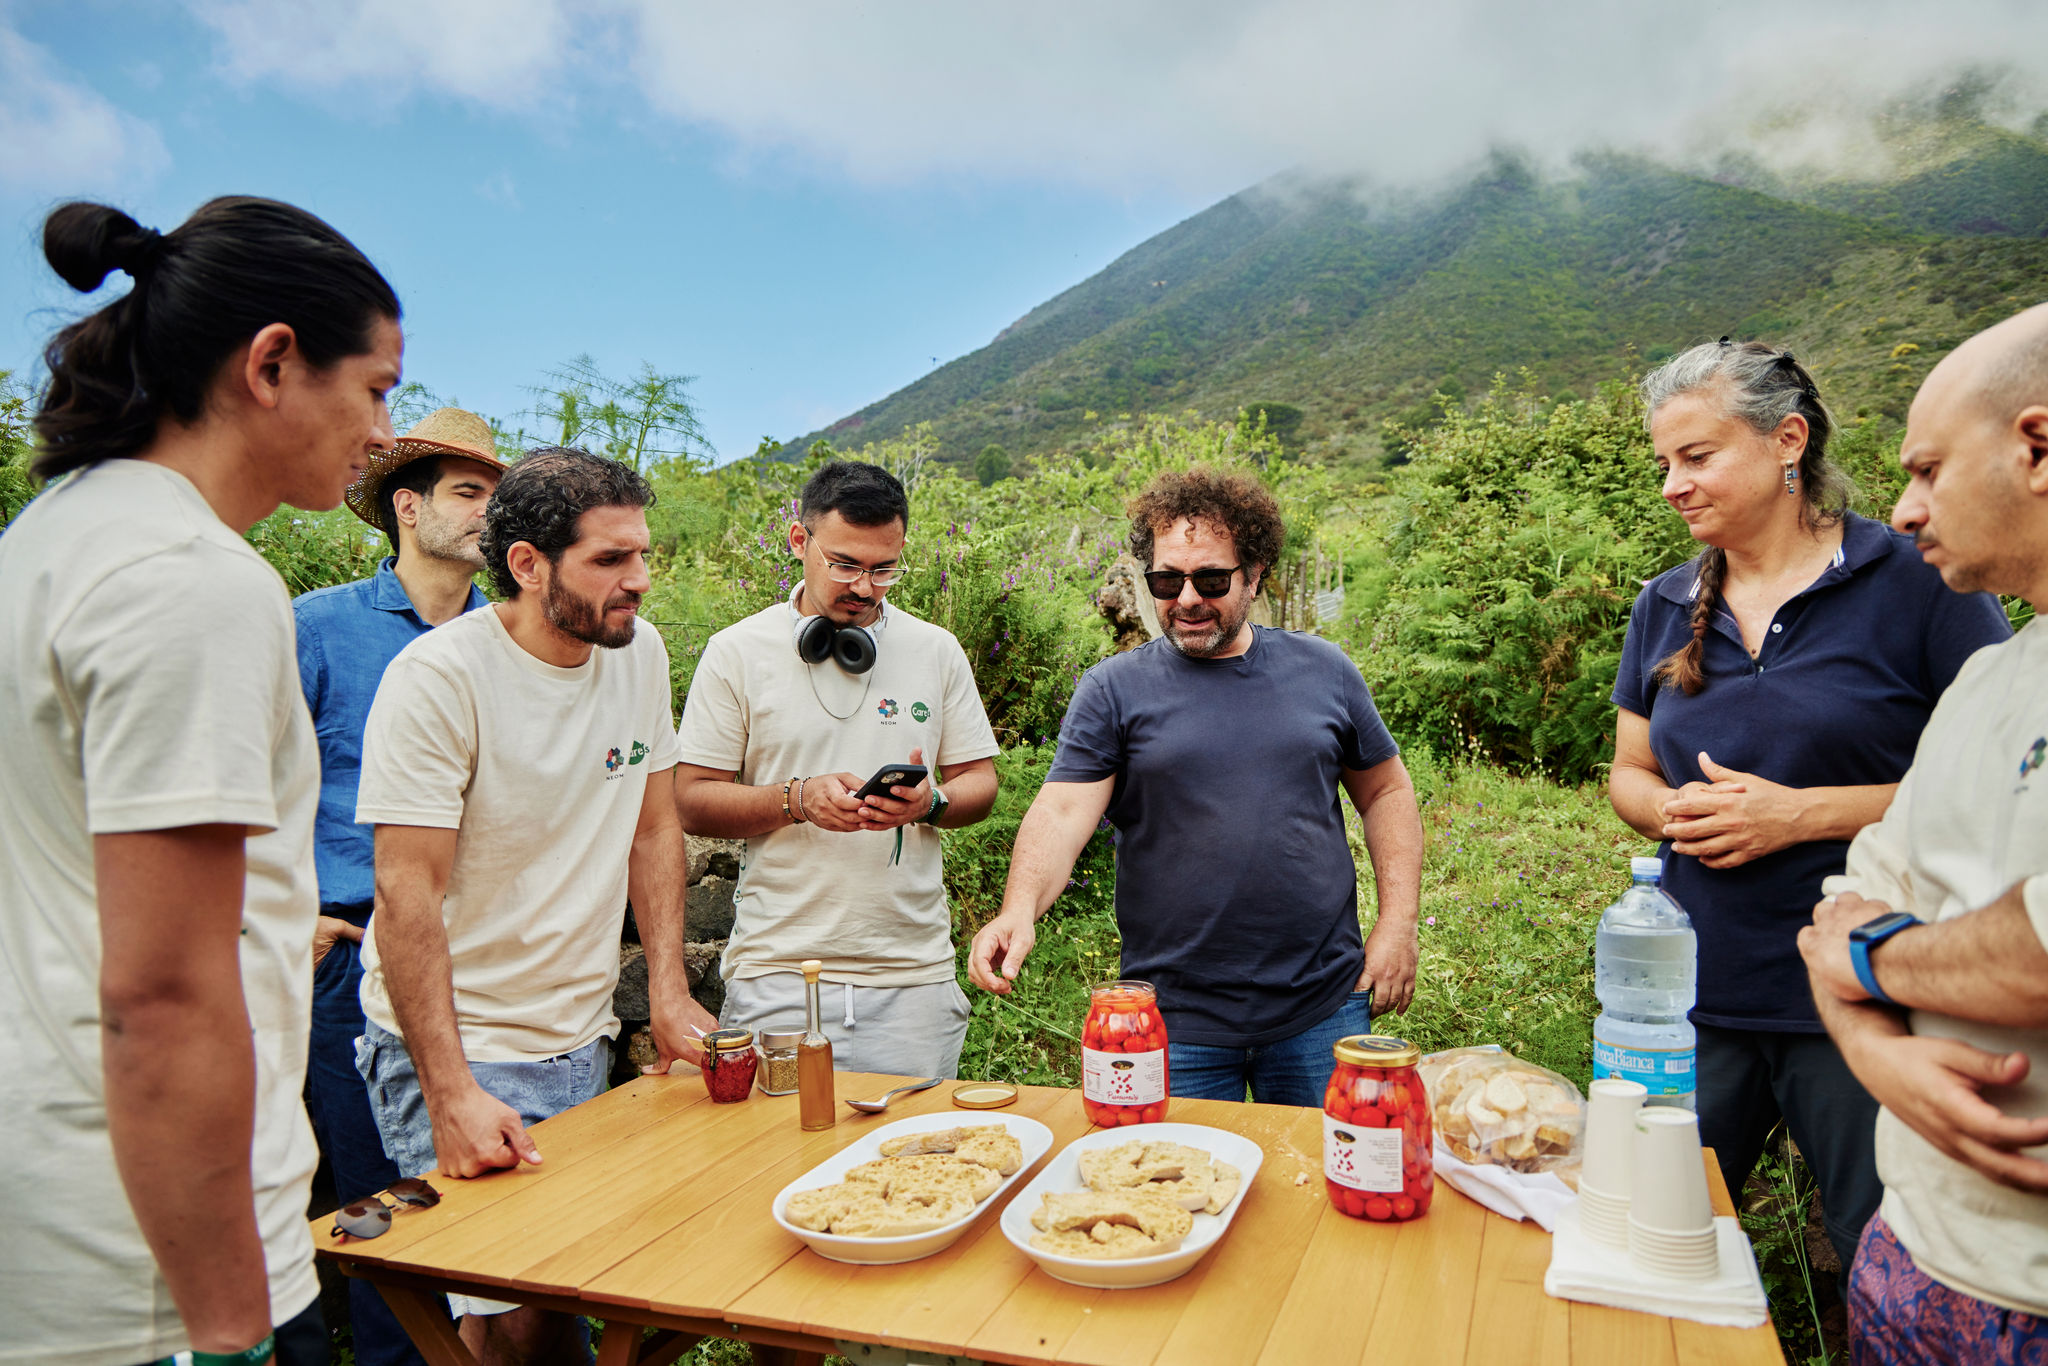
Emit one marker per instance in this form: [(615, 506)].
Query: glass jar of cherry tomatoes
[(1377, 1133), (1123, 1056)]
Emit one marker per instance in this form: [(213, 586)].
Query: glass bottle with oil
[(817, 1106)]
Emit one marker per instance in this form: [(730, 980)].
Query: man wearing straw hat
[(1927, 958), (427, 495)]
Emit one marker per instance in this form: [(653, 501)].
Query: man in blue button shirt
[(427, 495)]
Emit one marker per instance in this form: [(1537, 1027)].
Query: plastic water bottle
[(1645, 961)]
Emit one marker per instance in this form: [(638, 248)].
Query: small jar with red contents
[(728, 1064), (1377, 1132), (1123, 1056)]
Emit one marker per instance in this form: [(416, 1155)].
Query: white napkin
[(1518, 1195), (1581, 1269)]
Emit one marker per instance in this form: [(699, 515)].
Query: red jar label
[(1361, 1159), (1124, 1078)]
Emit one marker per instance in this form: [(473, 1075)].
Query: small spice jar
[(778, 1061), (1377, 1132), (728, 1064), (1123, 1056)]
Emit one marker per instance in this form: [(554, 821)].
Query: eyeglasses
[(371, 1217), (853, 573), (1210, 583)]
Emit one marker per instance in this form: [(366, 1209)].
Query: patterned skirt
[(1901, 1316)]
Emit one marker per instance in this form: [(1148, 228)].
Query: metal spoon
[(875, 1107)]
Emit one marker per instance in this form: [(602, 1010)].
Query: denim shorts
[(537, 1090)]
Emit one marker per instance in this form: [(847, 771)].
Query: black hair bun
[(84, 242)]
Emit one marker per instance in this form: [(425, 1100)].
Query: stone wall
[(714, 866)]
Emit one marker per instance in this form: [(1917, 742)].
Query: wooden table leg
[(425, 1320), (785, 1356), (622, 1344)]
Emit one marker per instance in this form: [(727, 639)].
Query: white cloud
[(58, 135), (493, 52), (1197, 95)]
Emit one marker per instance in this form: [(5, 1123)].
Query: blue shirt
[(1235, 890), (1849, 672), (347, 635)]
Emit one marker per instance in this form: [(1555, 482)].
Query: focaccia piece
[(994, 1147), (1155, 1216), (816, 1209), (1104, 1242), (901, 1213), (927, 1172)]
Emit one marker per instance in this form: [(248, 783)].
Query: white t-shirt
[(540, 770), (148, 681), (1969, 821), (758, 710)]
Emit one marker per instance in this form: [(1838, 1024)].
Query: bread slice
[(1104, 1242), (1155, 1216), (901, 1213), (927, 1172)]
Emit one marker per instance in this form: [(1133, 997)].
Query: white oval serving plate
[(1063, 1173), (1034, 1137)]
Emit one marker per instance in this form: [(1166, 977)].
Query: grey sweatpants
[(906, 1031)]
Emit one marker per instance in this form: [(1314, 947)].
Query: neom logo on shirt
[(2035, 756), (886, 708)]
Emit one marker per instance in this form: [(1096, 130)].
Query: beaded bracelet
[(785, 801)]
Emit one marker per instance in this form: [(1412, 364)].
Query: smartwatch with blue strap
[(1868, 936)]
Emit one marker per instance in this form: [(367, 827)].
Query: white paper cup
[(1686, 1257), (1611, 1106), (1603, 1217), (1668, 1189)]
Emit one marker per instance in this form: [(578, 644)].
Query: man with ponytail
[(158, 780), (1927, 959), (1771, 691)]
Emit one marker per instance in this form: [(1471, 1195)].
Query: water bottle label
[(1663, 1071)]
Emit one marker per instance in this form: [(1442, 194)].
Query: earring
[(1791, 480)]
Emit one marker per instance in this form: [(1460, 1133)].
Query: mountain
[(1336, 310)]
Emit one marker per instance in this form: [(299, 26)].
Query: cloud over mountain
[(1198, 95)]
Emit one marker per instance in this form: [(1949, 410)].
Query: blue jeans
[(1289, 1071), (339, 1105)]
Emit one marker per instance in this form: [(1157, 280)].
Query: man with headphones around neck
[(791, 710)]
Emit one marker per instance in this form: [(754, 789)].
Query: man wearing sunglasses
[(1218, 753), (789, 714)]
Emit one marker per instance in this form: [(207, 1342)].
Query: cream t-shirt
[(1970, 821), (758, 710), (541, 771), (148, 681)]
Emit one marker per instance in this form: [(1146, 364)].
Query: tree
[(992, 464), (16, 448), (644, 421)]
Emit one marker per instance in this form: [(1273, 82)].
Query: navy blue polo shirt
[(347, 635), (1849, 671), (1236, 895)]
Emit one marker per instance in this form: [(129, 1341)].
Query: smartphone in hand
[(891, 775)]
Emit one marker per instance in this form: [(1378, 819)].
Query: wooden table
[(651, 1208)]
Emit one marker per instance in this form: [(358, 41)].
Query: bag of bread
[(1492, 1108)]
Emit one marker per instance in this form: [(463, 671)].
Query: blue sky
[(516, 242), (805, 204)]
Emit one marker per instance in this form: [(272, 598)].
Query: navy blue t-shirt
[(1848, 674), (1235, 889)]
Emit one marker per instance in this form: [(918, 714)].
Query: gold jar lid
[(984, 1095), (728, 1040), (1376, 1050)]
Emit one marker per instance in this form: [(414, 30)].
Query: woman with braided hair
[(1771, 693)]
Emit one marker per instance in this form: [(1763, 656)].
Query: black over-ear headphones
[(820, 638)]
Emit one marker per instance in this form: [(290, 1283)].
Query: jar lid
[(788, 1037), (728, 1040), (984, 1095), (1376, 1050)]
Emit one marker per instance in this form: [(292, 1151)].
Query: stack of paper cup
[(1670, 1218), (1604, 1174)]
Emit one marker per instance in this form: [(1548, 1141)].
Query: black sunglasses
[(371, 1217), (1210, 583)]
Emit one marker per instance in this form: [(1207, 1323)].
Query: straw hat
[(445, 431)]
